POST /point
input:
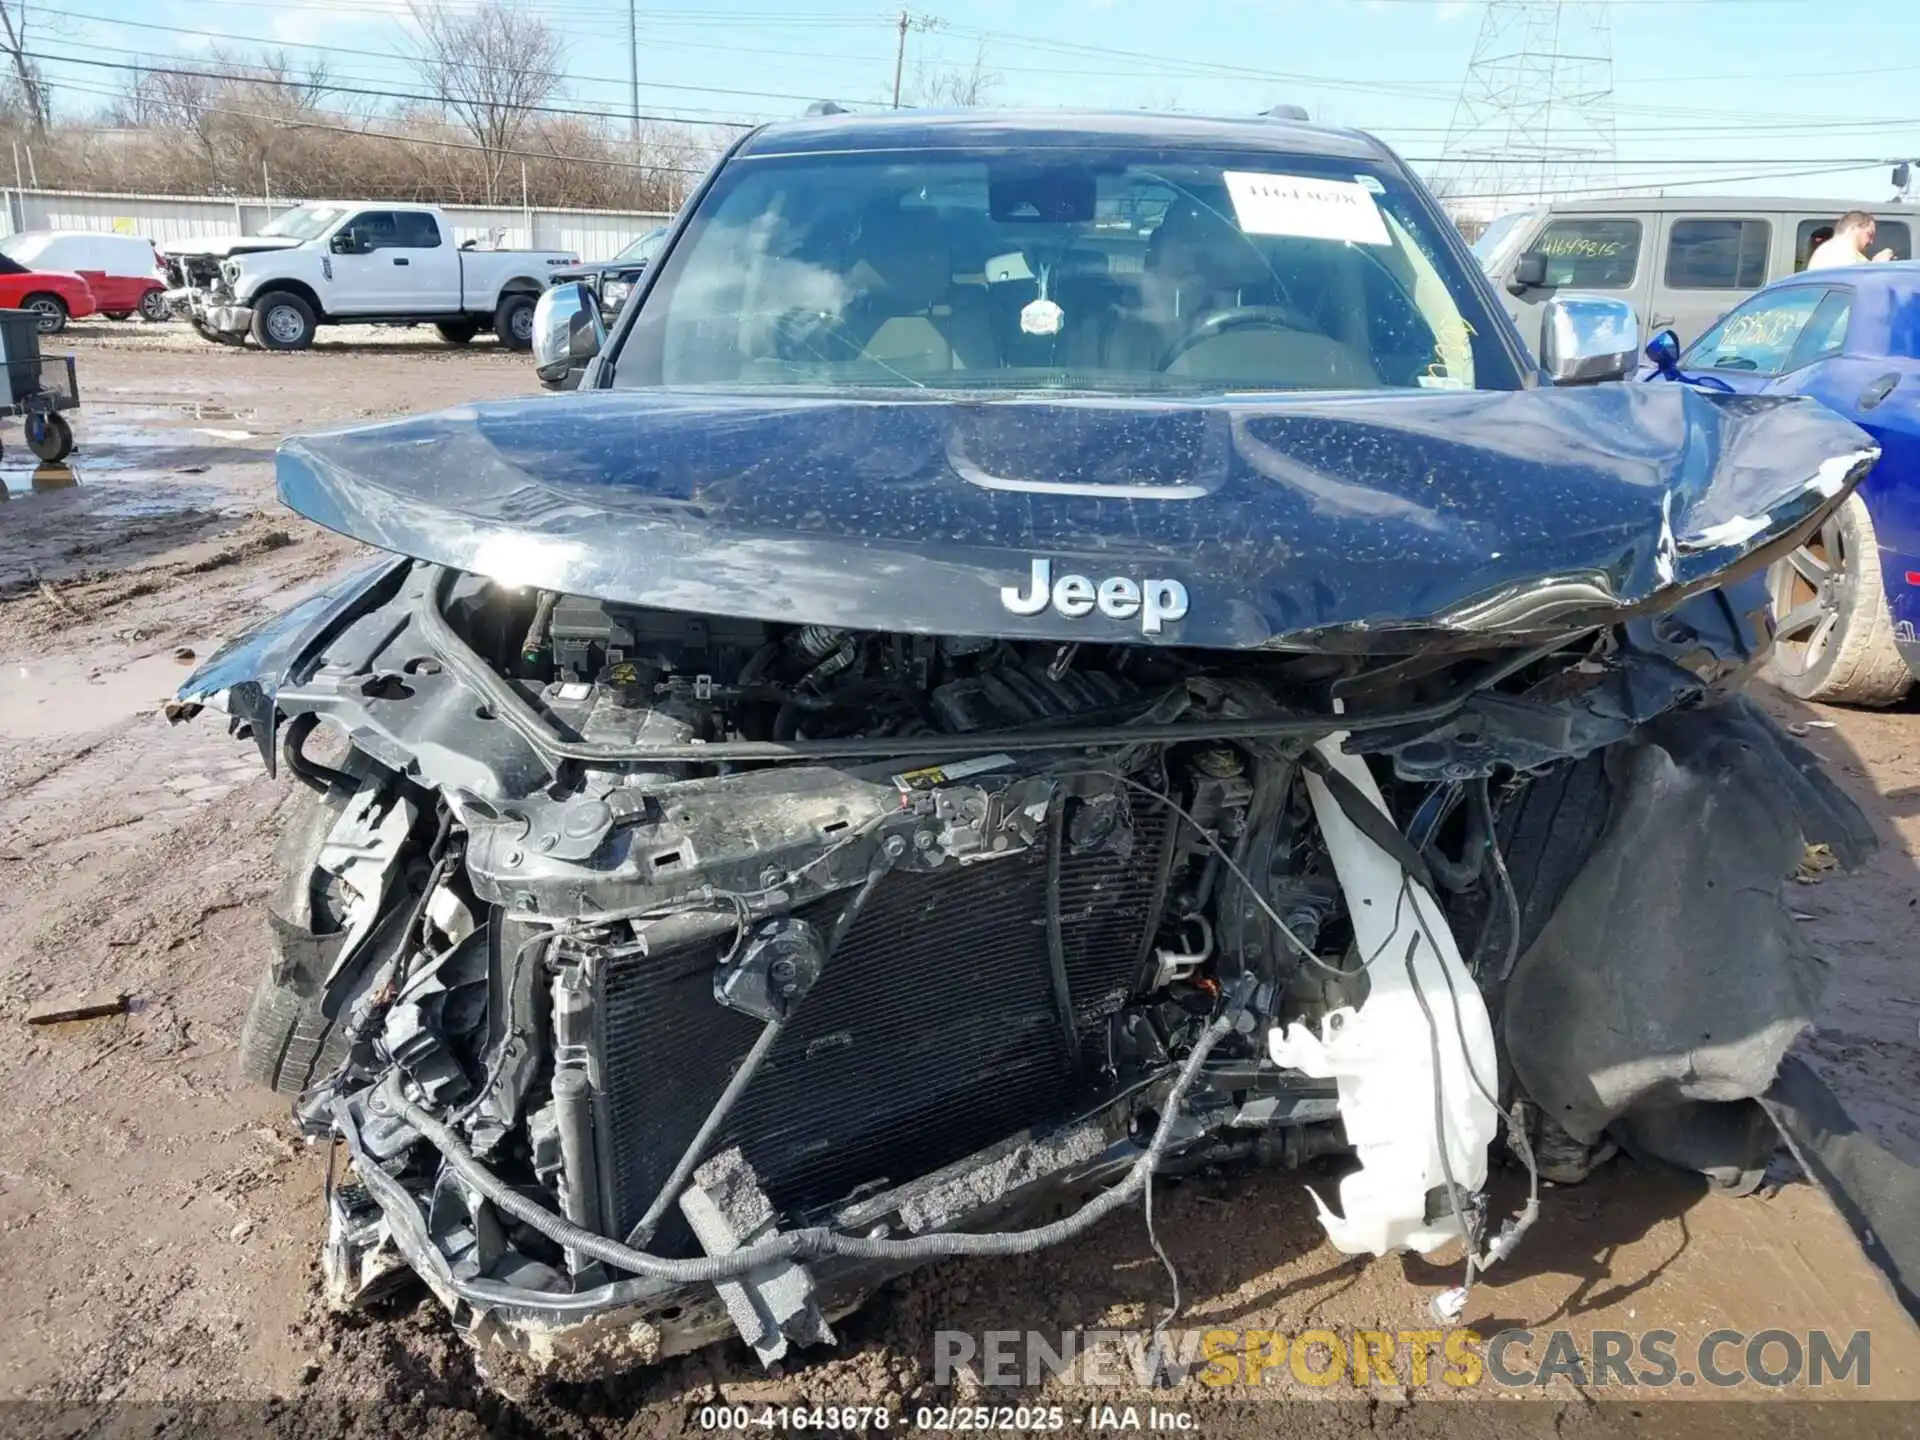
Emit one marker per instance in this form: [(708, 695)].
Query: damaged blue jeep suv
[(1041, 652)]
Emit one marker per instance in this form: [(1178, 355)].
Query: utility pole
[(633, 68), (899, 59)]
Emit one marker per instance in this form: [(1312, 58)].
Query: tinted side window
[(1718, 254), (415, 230), (1760, 335), (1591, 254), (1826, 332), (374, 228)]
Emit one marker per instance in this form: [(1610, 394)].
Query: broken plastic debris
[(1814, 863)]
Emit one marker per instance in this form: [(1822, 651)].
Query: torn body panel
[(1672, 942), (1418, 1045)]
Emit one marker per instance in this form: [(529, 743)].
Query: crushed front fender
[(244, 677)]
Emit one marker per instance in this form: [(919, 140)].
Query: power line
[(1159, 66), (476, 66), (244, 72), (286, 83), (558, 9), (1535, 115), (1632, 190), (272, 81)]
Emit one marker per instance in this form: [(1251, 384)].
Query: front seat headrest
[(905, 262)]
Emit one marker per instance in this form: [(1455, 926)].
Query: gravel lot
[(159, 1224)]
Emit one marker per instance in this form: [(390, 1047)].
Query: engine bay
[(628, 673), (692, 971)]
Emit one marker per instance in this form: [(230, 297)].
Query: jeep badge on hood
[(1117, 597)]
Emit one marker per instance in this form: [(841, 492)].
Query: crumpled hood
[(219, 247), (1300, 521)]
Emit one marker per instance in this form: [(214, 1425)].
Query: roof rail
[(1287, 112), (825, 107)]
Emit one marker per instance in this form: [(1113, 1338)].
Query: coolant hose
[(818, 1241), (1460, 876)]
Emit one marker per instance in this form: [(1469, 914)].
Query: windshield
[(643, 248), (25, 248), (304, 222), (1085, 270), (1500, 239)]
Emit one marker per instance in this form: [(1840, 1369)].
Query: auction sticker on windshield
[(1303, 207)]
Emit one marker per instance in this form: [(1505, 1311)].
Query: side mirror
[(1902, 173), (1529, 272), (567, 333), (341, 243), (1664, 351), (1585, 339)]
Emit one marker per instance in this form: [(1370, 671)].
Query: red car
[(57, 295), (123, 271)]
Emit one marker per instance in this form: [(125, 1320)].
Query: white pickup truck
[(372, 263)]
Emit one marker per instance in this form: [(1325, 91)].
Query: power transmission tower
[(1535, 114)]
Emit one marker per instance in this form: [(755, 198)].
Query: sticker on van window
[(1310, 209)]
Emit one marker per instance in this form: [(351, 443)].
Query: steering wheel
[(1240, 317)]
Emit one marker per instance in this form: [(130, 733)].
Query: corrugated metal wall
[(591, 234)]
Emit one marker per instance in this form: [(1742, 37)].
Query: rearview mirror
[(1585, 339), (567, 333), (1529, 271)]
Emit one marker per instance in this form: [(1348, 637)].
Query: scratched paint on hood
[(1288, 520)]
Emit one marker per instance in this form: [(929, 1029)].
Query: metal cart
[(38, 387)]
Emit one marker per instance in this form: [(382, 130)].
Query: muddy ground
[(159, 1224)]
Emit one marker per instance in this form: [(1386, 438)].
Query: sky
[(1793, 97)]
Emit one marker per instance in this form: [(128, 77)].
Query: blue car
[(1847, 603)]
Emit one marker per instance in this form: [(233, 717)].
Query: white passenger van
[(1683, 260)]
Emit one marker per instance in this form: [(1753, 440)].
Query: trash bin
[(37, 388), (20, 352)]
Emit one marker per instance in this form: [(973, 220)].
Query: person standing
[(1853, 235)]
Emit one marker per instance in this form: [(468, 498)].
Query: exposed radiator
[(932, 1032)]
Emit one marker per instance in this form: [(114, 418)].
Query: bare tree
[(493, 66), (218, 123), (953, 85), (26, 74), (234, 113)]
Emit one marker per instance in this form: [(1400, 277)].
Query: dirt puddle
[(142, 452), (42, 699)]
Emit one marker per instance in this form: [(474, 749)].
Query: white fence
[(590, 234)]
